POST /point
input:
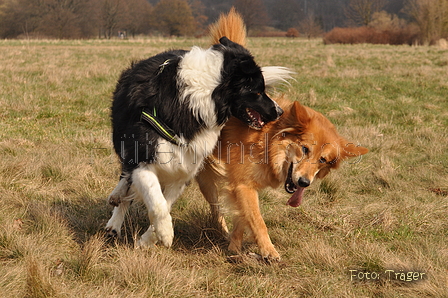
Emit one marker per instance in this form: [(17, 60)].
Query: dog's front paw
[(236, 242), (270, 254), (148, 239), (165, 232), (145, 244), (111, 232), (113, 227)]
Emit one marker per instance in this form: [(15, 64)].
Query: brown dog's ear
[(323, 172), (349, 150), (294, 121), (299, 113)]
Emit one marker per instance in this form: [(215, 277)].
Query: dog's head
[(242, 91), (311, 148)]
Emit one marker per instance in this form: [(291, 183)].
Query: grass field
[(387, 212)]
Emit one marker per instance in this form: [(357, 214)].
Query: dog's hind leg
[(119, 192), (207, 181), (118, 199), (113, 226), (236, 237), (147, 185)]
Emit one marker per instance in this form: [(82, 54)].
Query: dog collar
[(161, 128)]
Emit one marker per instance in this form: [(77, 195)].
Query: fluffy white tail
[(274, 75)]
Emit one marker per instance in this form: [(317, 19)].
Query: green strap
[(162, 66), (163, 130)]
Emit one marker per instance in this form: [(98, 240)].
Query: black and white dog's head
[(242, 89)]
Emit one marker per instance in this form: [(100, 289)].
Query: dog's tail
[(230, 25), (273, 75)]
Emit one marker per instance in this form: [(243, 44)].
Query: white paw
[(113, 232), (165, 232), (148, 239), (113, 227)]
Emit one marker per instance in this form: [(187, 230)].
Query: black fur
[(147, 84)]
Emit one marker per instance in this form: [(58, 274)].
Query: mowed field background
[(389, 211)]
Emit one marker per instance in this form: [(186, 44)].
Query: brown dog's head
[(311, 148)]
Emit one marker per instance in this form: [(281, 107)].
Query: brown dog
[(294, 150)]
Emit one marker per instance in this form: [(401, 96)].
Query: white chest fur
[(199, 74), (181, 163)]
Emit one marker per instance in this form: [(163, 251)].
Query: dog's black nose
[(304, 182)]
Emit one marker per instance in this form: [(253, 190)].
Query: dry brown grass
[(397, 36), (386, 212)]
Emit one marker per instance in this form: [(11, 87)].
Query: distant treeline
[(427, 23), (422, 20), (89, 18)]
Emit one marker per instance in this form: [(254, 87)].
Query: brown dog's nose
[(304, 182)]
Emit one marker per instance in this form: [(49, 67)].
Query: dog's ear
[(248, 66), (228, 43), (349, 150), (323, 172), (299, 113), (247, 63)]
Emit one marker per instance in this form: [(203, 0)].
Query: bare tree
[(174, 17), (431, 17), (384, 21), (284, 14), (359, 12), (112, 14), (198, 11), (59, 18), (310, 26), (138, 18), (17, 17), (51, 18), (253, 12)]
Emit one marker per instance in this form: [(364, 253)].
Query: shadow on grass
[(197, 232), (194, 229)]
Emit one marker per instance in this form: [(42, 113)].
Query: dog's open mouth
[(293, 188), (253, 119)]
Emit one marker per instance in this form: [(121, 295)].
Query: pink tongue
[(256, 115), (296, 198)]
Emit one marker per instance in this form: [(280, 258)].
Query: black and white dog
[(167, 114)]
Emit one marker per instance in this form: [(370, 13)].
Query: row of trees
[(105, 18), (426, 19)]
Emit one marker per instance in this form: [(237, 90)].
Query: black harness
[(159, 126)]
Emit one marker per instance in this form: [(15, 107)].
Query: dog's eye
[(322, 160), (305, 150)]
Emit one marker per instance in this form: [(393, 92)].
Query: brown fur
[(230, 25), (249, 160)]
